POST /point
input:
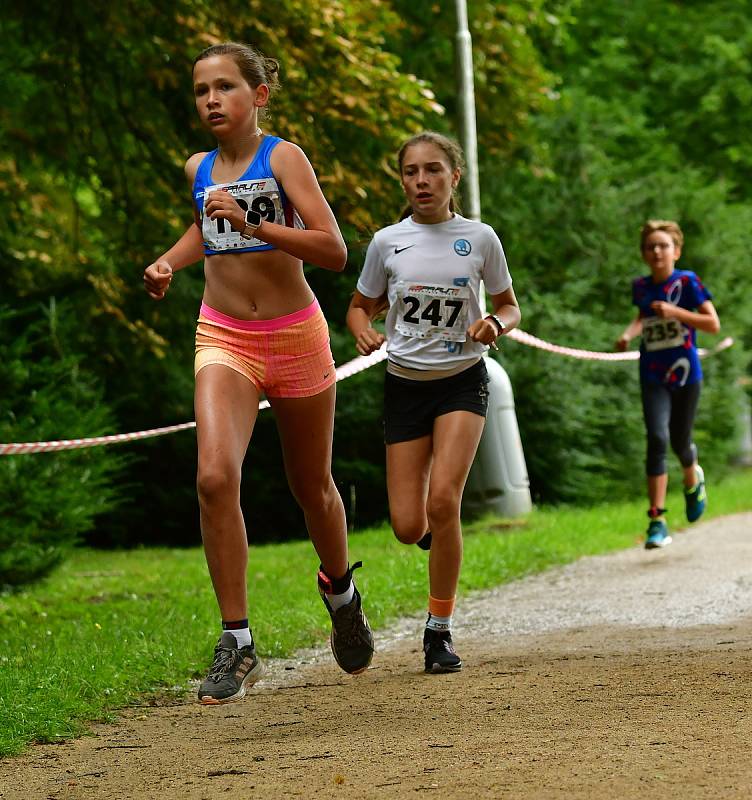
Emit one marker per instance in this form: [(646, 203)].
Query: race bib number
[(662, 334), (260, 195), (436, 312)]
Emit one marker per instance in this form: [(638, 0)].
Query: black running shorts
[(410, 407)]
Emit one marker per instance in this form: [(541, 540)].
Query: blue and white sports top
[(256, 189)]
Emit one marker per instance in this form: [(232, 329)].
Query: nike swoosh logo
[(400, 249)]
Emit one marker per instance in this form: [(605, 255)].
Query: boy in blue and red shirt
[(672, 305)]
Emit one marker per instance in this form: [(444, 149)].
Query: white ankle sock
[(439, 623), (242, 636), (338, 600)]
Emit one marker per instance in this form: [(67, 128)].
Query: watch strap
[(252, 223), (499, 322)]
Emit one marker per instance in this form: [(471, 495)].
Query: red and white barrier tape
[(595, 355), (345, 371), (15, 448)]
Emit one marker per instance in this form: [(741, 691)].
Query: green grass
[(109, 630)]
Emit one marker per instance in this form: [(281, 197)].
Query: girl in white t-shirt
[(428, 269)]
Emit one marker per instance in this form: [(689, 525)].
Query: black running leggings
[(669, 416)]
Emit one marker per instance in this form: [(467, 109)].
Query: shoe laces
[(224, 661), (443, 640), (347, 620)]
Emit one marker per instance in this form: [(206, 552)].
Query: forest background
[(591, 118)]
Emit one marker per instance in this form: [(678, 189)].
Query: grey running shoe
[(351, 638), (439, 651), (231, 673)]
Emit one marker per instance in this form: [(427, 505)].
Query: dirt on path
[(622, 675)]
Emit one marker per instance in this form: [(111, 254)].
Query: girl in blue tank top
[(672, 305), (259, 213)]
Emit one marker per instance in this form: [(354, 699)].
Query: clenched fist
[(157, 278)]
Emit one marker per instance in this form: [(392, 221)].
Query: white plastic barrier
[(498, 480)]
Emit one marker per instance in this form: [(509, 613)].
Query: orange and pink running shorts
[(287, 356)]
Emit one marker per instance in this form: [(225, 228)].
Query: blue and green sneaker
[(658, 535), (696, 498)]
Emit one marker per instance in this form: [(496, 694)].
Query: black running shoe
[(439, 650), (351, 638), (425, 542), (231, 673)]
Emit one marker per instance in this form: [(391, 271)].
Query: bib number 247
[(433, 311)]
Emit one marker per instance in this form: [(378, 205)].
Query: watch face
[(253, 218)]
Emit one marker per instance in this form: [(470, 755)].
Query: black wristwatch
[(252, 222), (499, 322)]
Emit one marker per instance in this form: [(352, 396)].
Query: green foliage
[(97, 126), (94, 136), (590, 118), (511, 83), (48, 500), (685, 67), (571, 233)]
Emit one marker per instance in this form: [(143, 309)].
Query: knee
[(408, 531), (657, 442), (685, 450), (656, 452), (215, 484), (442, 505), (680, 445), (315, 493)]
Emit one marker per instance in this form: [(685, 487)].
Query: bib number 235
[(662, 334)]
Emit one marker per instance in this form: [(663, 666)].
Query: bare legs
[(690, 476), (657, 487), (226, 406), (226, 410), (306, 427), (425, 480)]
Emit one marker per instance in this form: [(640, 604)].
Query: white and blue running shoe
[(658, 535)]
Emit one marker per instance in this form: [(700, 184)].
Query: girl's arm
[(359, 315), (633, 329), (506, 308), (321, 242), (188, 249), (704, 319)]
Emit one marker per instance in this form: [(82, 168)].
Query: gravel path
[(628, 674)]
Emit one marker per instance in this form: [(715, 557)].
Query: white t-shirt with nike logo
[(432, 275)]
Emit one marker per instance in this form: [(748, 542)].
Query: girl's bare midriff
[(261, 285)]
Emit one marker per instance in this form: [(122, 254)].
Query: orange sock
[(440, 608), (440, 614)]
